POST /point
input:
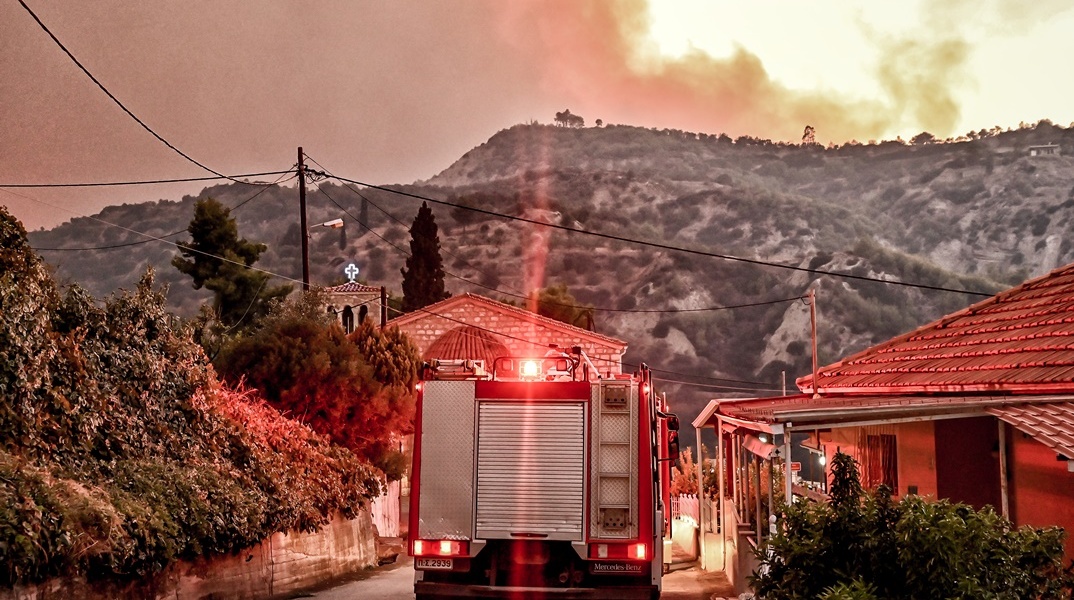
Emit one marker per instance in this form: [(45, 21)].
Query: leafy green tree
[(423, 275), (219, 260), (121, 453), (859, 546), (556, 302), (356, 389)]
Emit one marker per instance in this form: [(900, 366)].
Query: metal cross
[(351, 271)]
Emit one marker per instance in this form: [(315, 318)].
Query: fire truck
[(539, 477)]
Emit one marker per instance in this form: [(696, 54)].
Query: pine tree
[(423, 275), (218, 259)]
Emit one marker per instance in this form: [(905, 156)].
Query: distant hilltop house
[(469, 326), (1044, 150)]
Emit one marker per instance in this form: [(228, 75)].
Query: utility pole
[(813, 338), (305, 229)]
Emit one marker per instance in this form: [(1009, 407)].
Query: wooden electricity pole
[(305, 229)]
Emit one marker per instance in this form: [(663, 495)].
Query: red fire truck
[(539, 478)]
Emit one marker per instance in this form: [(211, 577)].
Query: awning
[(1051, 424), (756, 446)]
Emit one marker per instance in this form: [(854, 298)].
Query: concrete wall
[(276, 568), (684, 536)]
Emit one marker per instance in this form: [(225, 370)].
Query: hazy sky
[(393, 91)]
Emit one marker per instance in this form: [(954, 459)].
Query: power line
[(327, 173), (424, 310), (140, 242), (668, 247), (618, 310), (142, 182), (397, 248), (116, 100)]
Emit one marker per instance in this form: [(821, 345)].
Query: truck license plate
[(438, 564)]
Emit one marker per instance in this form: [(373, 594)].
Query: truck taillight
[(441, 548), (639, 551), (634, 551)]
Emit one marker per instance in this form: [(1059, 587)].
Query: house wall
[(967, 456), (1041, 488), (917, 458), (517, 334), (916, 449)]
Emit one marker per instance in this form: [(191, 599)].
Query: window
[(880, 462)]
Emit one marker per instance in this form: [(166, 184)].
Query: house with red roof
[(976, 407), (469, 326)]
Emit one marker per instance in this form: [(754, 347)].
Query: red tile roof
[(468, 342), (435, 310), (1052, 423), (1020, 341), (352, 287)]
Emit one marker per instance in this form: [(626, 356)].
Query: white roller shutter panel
[(531, 470)]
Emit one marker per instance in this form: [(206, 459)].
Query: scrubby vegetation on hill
[(119, 450), (976, 213)]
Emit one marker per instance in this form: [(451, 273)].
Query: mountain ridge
[(975, 214)]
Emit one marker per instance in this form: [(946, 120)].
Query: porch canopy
[(1048, 419)]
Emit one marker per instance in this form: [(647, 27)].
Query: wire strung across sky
[(116, 100), (145, 181), (760, 385), (279, 180), (660, 246), (328, 174)]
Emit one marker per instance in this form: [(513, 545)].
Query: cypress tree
[(423, 275)]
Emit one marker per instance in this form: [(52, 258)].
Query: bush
[(122, 453), (860, 546)]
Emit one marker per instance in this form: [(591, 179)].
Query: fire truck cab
[(539, 478)]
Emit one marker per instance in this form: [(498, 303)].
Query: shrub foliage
[(119, 450), (868, 546)]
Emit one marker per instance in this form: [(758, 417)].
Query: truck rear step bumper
[(430, 590)]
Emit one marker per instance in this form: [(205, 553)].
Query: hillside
[(975, 214)]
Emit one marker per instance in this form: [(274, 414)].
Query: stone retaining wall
[(277, 567)]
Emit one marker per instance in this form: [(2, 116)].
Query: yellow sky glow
[(1012, 71)]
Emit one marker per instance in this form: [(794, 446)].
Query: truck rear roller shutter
[(530, 470)]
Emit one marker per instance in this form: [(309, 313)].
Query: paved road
[(391, 582), (396, 582)]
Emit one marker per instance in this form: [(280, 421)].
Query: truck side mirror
[(673, 422), (673, 445)]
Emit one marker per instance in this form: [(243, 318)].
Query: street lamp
[(333, 224)]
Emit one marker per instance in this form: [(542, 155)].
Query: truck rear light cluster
[(441, 548), (637, 551)]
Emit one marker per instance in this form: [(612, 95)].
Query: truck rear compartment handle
[(527, 534)]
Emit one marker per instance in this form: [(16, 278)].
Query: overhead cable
[(140, 242), (116, 100), (144, 182), (668, 247)]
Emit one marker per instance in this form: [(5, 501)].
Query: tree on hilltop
[(566, 119)]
